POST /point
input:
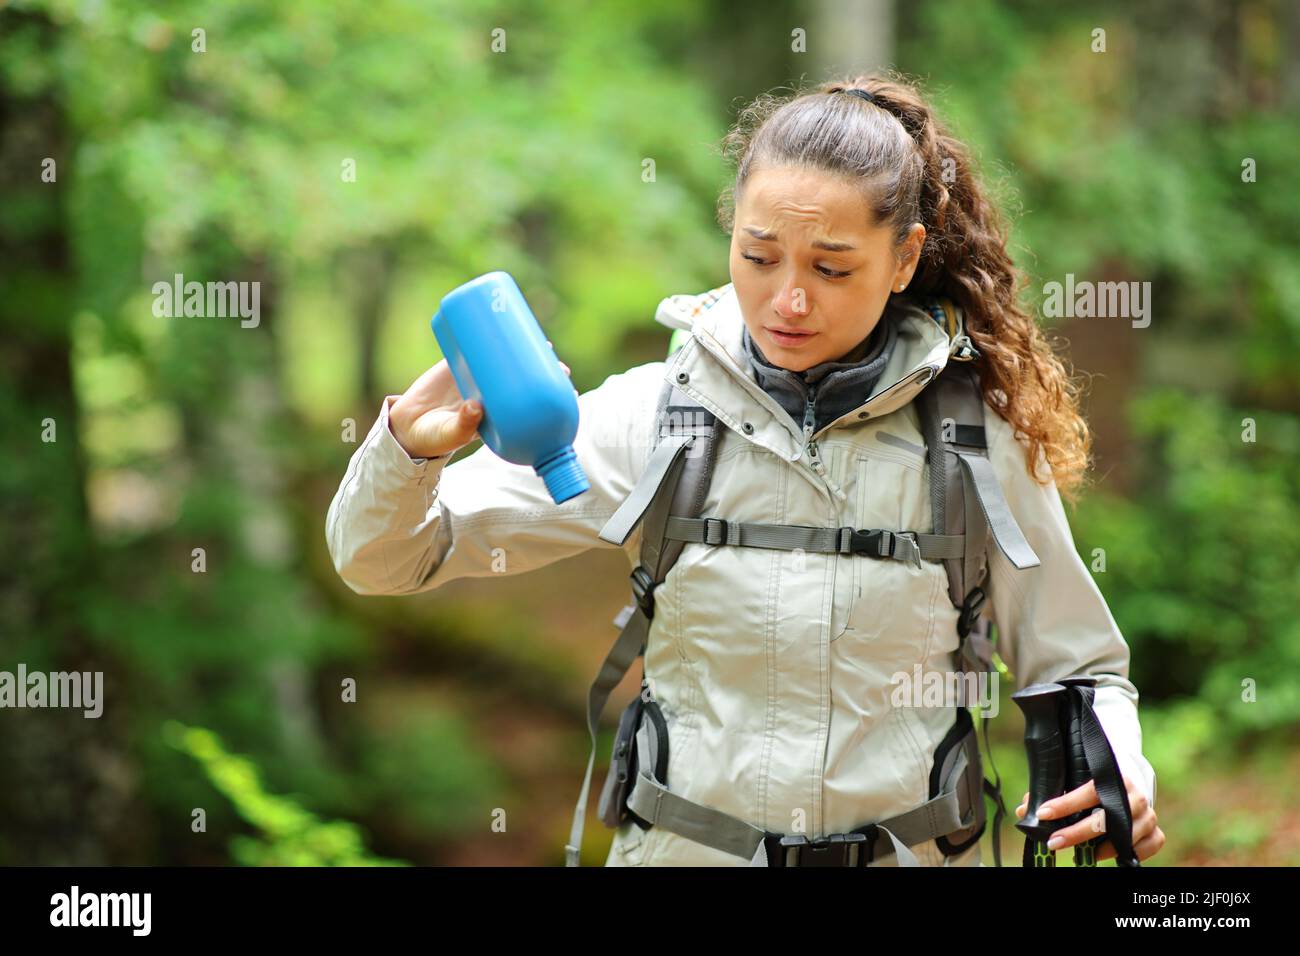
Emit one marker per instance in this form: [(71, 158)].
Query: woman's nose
[(792, 300)]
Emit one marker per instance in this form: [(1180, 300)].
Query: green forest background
[(223, 688)]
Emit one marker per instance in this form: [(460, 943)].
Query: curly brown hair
[(913, 170)]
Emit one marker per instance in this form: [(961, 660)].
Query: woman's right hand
[(432, 418)]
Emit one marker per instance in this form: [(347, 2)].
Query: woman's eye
[(828, 273)]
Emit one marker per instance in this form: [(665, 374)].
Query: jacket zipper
[(809, 420), (814, 454)]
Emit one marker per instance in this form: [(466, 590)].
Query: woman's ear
[(909, 256)]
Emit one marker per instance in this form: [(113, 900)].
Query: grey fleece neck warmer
[(837, 386)]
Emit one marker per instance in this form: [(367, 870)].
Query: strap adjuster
[(907, 548), (715, 531), (643, 590), (839, 849)]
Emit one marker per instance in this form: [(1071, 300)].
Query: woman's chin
[(792, 360), (792, 356)]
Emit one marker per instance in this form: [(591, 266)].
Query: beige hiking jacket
[(774, 669)]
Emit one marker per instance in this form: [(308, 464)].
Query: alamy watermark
[(606, 431), (946, 689), (75, 908), (75, 689), (1085, 300), (211, 299)]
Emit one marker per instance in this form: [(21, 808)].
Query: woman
[(853, 209)]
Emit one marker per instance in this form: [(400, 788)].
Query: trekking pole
[(1041, 705), (1076, 763)]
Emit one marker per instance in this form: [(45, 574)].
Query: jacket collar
[(838, 385), (717, 370)]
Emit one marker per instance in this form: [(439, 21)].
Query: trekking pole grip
[(1044, 748)]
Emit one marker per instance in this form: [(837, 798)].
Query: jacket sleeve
[(399, 525), (1052, 620)]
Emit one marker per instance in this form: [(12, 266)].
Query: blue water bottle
[(499, 356)]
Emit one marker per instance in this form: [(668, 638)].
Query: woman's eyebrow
[(830, 245)]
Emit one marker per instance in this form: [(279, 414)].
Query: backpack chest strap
[(910, 546)]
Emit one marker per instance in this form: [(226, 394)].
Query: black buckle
[(643, 590), (970, 609), (855, 848), (710, 537), (867, 543)]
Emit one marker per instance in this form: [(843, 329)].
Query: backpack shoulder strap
[(679, 414), (674, 483), (965, 496), (967, 500)]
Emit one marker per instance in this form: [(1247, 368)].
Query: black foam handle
[(1042, 705)]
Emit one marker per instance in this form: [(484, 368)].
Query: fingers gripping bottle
[(499, 356)]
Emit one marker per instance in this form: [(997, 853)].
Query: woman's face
[(786, 280)]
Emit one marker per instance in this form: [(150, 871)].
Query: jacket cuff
[(391, 452)]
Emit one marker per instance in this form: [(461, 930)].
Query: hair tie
[(862, 94)]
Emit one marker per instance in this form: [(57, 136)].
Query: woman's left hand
[(1147, 837)]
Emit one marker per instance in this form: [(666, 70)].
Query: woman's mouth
[(790, 339)]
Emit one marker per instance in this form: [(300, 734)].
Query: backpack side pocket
[(623, 763), (957, 767), (622, 767)]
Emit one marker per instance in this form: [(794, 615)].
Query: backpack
[(968, 508)]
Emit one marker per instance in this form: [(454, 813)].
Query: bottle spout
[(563, 475)]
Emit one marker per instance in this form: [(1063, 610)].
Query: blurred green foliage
[(290, 835), (1200, 567)]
